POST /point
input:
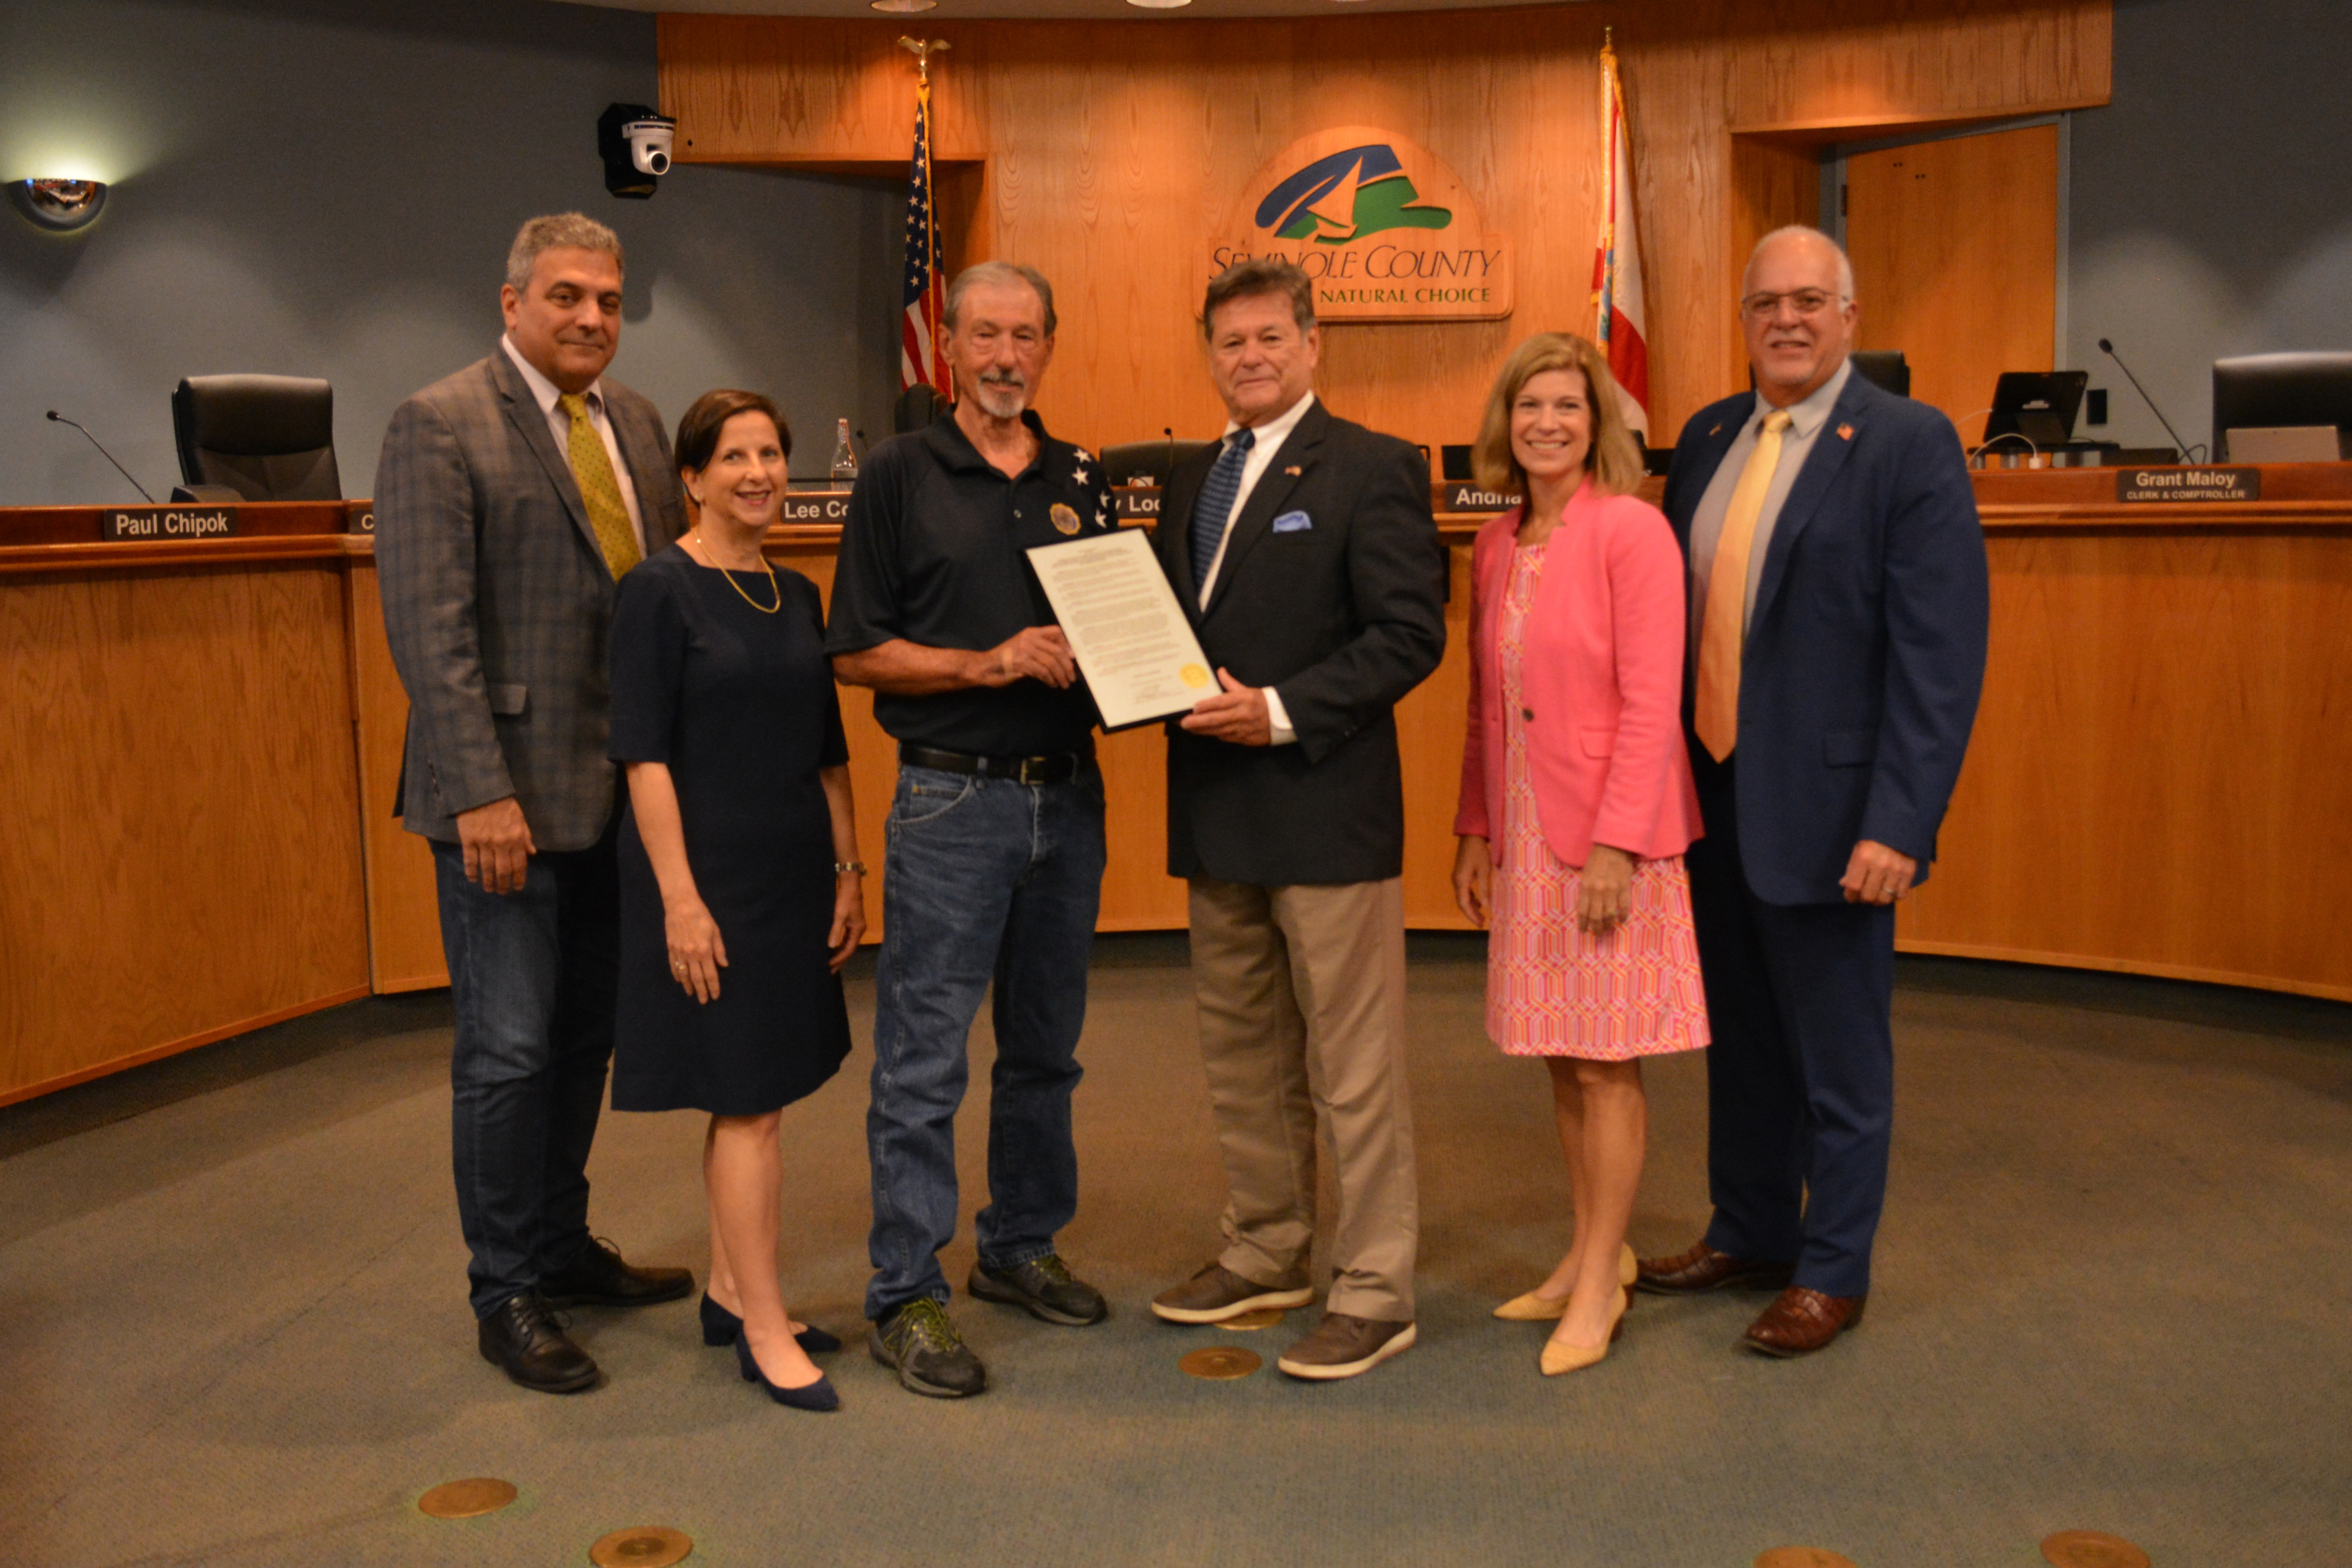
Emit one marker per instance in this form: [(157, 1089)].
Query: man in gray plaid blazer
[(509, 499)]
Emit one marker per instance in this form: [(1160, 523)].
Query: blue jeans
[(984, 879), (532, 977)]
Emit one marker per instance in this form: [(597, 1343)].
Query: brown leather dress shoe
[(1703, 1269), (1801, 1321)]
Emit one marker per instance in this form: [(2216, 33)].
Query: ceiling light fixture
[(1160, 4), (59, 204), (904, 8)]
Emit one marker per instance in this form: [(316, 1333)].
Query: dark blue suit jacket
[(1866, 646)]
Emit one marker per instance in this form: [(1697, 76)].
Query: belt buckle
[(1031, 770)]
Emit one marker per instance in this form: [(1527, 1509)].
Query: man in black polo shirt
[(995, 838)]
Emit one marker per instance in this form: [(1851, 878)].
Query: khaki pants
[(1301, 998)]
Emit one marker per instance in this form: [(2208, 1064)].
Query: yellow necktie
[(591, 467), (1725, 626)]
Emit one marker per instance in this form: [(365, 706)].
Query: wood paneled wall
[(1108, 153)]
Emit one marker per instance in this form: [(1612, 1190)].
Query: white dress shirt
[(1266, 439), (547, 392), (1805, 421)]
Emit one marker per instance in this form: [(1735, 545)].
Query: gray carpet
[(2111, 1295)]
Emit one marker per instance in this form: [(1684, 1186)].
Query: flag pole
[(920, 363)]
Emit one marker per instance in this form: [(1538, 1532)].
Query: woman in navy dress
[(740, 892)]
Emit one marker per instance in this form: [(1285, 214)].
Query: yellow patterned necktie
[(592, 468), (1725, 626)]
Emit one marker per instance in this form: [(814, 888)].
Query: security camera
[(649, 144), (634, 141)]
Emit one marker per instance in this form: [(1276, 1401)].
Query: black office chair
[(256, 437), (1886, 368), (1122, 465), (2258, 391), (916, 407)]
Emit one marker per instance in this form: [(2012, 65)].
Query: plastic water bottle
[(845, 457)]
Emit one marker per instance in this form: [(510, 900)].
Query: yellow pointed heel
[(1533, 1307), (1559, 1358)]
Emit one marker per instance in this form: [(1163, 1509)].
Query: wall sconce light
[(59, 204)]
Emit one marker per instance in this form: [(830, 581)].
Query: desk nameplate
[(1136, 503), (2140, 486), (815, 506), (144, 524), (1459, 496)]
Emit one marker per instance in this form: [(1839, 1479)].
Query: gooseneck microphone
[(104, 453), (1169, 431), (2108, 349)]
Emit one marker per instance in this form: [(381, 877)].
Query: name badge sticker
[(1293, 523)]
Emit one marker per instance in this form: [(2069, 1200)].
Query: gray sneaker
[(1046, 1287), (1345, 1346), (1217, 1293), (919, 1344)]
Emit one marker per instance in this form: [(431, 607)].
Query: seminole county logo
[(1383, 229)]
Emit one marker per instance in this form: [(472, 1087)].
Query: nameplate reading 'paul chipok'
[(146, 523), (2188, 484)]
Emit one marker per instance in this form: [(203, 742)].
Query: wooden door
[(1955, 247)]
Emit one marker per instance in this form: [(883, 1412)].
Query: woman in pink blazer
[(1577, 802)]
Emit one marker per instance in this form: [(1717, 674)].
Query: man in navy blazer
[(1839, 603)]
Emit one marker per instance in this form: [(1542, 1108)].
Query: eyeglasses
[(1805, 302)]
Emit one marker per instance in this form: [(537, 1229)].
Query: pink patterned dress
[(1551, 989)]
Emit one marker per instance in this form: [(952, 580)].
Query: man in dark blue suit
[(1838, 616)]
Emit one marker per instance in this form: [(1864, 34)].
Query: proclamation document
[(1133, 642)]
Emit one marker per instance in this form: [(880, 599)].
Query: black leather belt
[(1059, 768)]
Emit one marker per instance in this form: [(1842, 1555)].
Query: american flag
[(918, 334)]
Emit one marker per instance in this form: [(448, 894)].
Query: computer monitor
[(2039, 404), (2277, 391)]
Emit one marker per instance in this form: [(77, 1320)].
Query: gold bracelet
[(841, 868)]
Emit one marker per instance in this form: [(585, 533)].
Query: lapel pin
[(1294, 470), (1717, 431), (1845, 432)]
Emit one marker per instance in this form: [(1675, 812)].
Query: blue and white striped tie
[(1216, 504)]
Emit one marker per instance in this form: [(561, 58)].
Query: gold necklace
[(723, 572)]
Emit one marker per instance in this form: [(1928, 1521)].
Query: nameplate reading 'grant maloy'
[(2137, 485), (146, 523)]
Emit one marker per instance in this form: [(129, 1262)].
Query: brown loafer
[(1703, 1269), (1344, 1346), (1801, 1321)]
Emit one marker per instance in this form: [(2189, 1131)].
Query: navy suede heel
[(818, 1395), (721, 1328)]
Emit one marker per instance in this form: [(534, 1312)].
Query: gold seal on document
[(1066, 518), (1193, 675)]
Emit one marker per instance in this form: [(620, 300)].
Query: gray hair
[(1266, 275), (1844, 266), (576, 230), (982, 274)]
